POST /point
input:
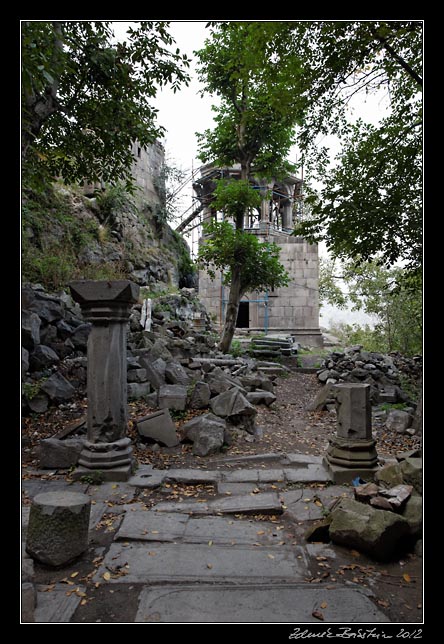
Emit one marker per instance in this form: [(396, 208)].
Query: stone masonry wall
[(293, 309)]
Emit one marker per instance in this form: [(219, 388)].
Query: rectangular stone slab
[(146, 525), (189, 562), (311, 473), (293, 604), (265, 503), (55, 606), (222, 530)]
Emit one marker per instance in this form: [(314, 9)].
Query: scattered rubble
[(382, 372)]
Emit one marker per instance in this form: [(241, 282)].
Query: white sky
[(185, 112)]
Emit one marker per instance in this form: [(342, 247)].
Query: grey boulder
[(159, 427), (398, 421), (54, 453), (175, 374), (207, 433), (232, 404), (30, 329), (42, 357), (200, 396), (58, 388), (360, 526)]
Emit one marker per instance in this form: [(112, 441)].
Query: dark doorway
[(243, 316)]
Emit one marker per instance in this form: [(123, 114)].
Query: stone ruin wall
[(293, 309)]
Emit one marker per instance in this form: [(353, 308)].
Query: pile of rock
[(54, 341), (382, 372), (385, 517), (55, 335)]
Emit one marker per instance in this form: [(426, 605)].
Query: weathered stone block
[(172, 397), (398, 421), (54, 453), (375, 532), (30, 329), (138, 389), (200, 396), (232, 403), (175, 374), (42, 357), (160, 427), (58, 388), (58, 527), (136, 375)]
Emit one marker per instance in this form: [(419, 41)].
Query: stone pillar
[(352, 451), (107, 450), (287, 215)]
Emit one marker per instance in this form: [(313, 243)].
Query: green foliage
[(114, 199), (370, 204), (52, 236), (393, 297), (96, 477), (31, 389), (236, 349), (228, 249), (235, 197), (244, 66), (86, 99)]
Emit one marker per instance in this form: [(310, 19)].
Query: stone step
[(175, 563), (141, 524), (261, 503), (293, 603)]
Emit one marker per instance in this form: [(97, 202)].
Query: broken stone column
[(58, 527), (107, 450), (352, 451)]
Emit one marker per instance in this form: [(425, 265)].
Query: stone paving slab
[(290, 459), (146, 525), (148, 478), (113, 492), (190, 476), (241, 476), (56, 606), (225, 531), (235, 489), (312, 473), (301, 506), (271, 476), (293, 604), (261, 503), (185, 562)]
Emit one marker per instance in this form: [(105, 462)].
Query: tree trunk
[(232, 311)]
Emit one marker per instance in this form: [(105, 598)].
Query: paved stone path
[(237, 556)]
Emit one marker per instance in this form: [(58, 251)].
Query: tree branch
[(416, 77)]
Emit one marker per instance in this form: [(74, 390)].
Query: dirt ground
[(286, 428)]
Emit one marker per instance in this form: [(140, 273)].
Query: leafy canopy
[(86, 98), (370, 205), (258, 106)]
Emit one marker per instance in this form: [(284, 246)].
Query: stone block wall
[(147, 167), (293, 309)]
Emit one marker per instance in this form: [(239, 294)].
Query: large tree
[(86, 97), (246, 265), (255, 118), (369, 206)]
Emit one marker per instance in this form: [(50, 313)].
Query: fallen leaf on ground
[(318, 615), (355, 553), (74, 574), (209, 566), (106, 576), (406, 577), (324, 605)]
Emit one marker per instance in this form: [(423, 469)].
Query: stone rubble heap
[(382, 372), (172, 363)]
